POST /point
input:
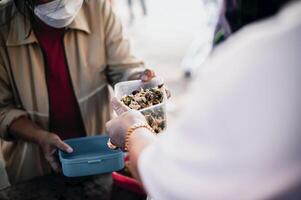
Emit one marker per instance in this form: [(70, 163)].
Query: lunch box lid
[(92, 149)]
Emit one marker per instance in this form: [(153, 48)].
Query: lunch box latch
[(94, 161)]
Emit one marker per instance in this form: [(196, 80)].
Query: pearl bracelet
[(132, 129)]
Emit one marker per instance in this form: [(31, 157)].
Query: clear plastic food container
[(155, 115)]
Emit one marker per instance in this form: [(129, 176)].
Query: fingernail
[(144, 78), (69, 150)]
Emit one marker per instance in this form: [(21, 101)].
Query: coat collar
[(21, 33)]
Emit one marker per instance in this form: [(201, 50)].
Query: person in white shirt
[(239, 136)]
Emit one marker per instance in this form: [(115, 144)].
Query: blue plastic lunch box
[(90, 156)]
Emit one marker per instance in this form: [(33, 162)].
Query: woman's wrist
[(40, 136), (139, 140), (24, 129), (141, 134), (132, 129)]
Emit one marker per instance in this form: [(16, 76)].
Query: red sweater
[(65, 117)]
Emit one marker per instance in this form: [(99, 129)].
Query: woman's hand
[(49, 143), (24, 129), (117, 127), (147, 75)]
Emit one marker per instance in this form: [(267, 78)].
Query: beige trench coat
[(97, 54)]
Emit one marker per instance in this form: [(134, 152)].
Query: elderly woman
[(57, 59)]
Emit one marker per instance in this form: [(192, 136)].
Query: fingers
[(112, 132), (111, 145), (62, 145), (109, 127), (54, 163), (147, 75), (168, 93), (118, 106)]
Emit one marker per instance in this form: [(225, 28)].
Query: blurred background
[(161, 34)]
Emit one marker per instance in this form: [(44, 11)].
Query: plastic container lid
[(90, 156)]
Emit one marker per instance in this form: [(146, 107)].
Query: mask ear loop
[(30, 7)]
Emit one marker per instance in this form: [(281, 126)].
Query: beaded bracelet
[(132, 129)]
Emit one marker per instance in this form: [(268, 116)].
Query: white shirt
[(239, 136)]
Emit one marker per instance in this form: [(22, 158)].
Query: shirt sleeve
[(122, 65), (8, 112), (4, 182), (238, 135)]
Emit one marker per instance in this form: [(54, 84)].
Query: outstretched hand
[(117, 127)]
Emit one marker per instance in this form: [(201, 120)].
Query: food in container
[(147, 97)]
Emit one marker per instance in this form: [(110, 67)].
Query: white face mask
[(58, 13)]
